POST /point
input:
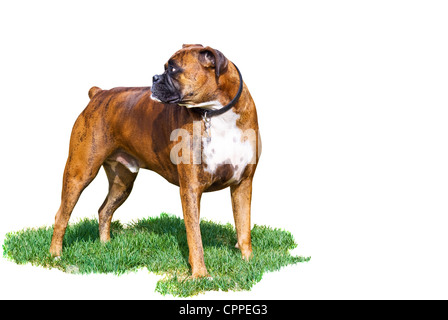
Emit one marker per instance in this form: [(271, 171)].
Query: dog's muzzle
[(164, 90)]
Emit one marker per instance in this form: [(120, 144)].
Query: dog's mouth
[(153, 97), (163, 90), (162, 100), (163, 94)]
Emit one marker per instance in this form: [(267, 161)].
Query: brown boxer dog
[(197, 127)]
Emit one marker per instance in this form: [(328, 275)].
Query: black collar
[(211, 113)]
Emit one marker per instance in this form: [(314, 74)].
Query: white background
[(352, 104)]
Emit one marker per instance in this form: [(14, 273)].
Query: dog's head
[(191, 76)]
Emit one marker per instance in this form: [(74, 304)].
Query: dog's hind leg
[(84, 161), (75, 181), (121, 181)]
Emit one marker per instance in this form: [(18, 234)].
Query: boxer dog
[(196, 126)]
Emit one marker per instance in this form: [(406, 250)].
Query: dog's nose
[(155, 79)]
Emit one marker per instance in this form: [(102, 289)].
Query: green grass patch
[(160, 245)]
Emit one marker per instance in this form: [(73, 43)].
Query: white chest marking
[(228, 145)]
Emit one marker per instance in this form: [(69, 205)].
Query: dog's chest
[(227, 144)]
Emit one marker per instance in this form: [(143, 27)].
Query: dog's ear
[(212, 58), (191, 45)]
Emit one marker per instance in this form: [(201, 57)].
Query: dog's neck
[(208, 105)]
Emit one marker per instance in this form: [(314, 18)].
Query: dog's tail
[(93, 91)]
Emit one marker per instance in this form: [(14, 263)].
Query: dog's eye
[(172, 69)]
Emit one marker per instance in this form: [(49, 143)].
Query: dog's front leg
[(191, 197)]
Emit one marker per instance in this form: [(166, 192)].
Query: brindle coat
[(123, 129)]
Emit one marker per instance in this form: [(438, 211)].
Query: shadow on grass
[(213, 235), (160, 245)]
